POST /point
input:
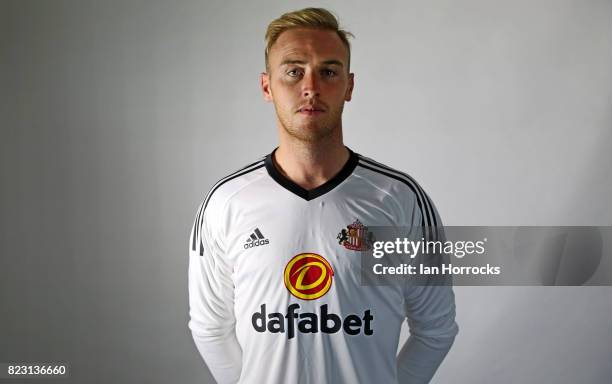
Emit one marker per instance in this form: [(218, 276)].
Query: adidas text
[(256, 243)]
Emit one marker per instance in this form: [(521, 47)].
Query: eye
[(329, 73), (293, 72)]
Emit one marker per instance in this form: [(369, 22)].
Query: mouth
[(310, 110)]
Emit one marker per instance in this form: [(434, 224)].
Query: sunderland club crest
[(356, 237)]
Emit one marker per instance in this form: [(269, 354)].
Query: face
[(308, 82)]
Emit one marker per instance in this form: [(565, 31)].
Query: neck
[(310, 164)]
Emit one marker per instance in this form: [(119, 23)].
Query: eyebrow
[(326, 62)]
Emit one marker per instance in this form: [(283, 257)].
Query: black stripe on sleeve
[(217, 187), (197, 236), (196, 228), (429, 211), (423, 201)]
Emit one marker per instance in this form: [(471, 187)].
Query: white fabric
[(229, 283)]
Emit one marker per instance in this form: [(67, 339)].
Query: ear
[(264, 83), (349, 90)]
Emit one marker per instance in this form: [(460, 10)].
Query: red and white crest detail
[(356, 237)]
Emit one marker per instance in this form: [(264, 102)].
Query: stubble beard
[(315, 131)]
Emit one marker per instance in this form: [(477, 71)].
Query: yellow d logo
[(308, 276)]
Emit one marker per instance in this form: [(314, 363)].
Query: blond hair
[(318, 18)]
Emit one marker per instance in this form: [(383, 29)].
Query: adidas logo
[(256, 239)]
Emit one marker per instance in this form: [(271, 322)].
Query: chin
[(312, 134)]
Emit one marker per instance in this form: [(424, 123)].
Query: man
[(274, 287)]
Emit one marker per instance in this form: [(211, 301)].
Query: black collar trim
[(321, 189)]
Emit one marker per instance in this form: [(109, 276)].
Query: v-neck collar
[(309, 194)]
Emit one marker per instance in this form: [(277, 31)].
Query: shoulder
[(211, 208), (226, 187), (401, 185), (397, 180)]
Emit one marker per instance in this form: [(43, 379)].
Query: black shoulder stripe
[(428, 204), (426, 222), (423, 217), (241, 172), (200, 217), (196, 229)]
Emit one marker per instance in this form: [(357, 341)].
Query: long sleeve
[(211, 303), (431, 318), (430, 311)]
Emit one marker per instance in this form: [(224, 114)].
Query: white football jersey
[(274, 278)]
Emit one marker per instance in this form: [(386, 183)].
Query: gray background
[(117, 116)]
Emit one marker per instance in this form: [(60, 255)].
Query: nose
[(310, 84)]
